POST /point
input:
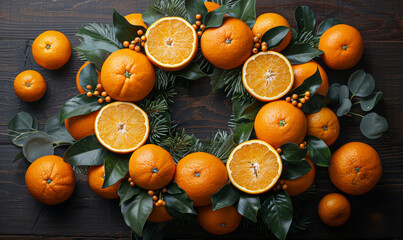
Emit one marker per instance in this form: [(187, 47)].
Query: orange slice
[(267, 76), (254, 167), (171, 43), (122, 127)]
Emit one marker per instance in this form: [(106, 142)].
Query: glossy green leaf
[(369, 102), (135, 212), (20, 126), (215, 18), (277, 212), (318, 151), (152, 231), (326, 24), (56, 130), (291, 152), (38, 145), (248, 206), (311, 84), (97, 56), (301, 53), (79, 105), (344, 108), (315, 104), (217, 79), (116, 167), (124, 30), (227, 195), (333, 94), (152, 14), (373, 125), (191, 72), (86, 152), (293, 170), (126, 192), (244, 10), (305, 18), (246, 110), (179, 203), (243, 132), (88, 76), (274, 36), (173, 188), (193, 8), (361, 84)]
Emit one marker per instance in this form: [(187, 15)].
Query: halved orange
[(171, 43), (254, 167), (267, 76), (122, 127)]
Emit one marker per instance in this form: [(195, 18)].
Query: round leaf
[(57, 130), (333, 94), (344, 107), (361, 84), (343, 93), (373, 125), (38, 145), (21, 126), (368, 103)]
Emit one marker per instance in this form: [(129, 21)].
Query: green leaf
[(217, 79), (38, 145), (79, 105), (152, 231), (373, 125), (248, 206), (293, 170), (301, 53), (191, 72), (86, 152), (215, 18), (244, 10), (19, 155), (116, 167), (20, 123), (246, 110), (326, 24), (173, 188), (57, 130), (361, 84), (242, 132), (369, 102), (275, 36), (179, 203), (343, 93), (291, 152), (227, 195), (315, 104), (277, 212), (124, 30), (88, 76), (311, 84), (152, 15), (193, 8), (344, 107), (126, 192), (136, 211), (333, 94), (305, 18), (318, 151)]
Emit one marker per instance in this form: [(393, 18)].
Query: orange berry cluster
[(299, 100), (259, 44), (103, 96), (280, 185), (158, 201), (198, 25), (137, 42)]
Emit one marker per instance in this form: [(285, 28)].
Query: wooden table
[(377, 214)]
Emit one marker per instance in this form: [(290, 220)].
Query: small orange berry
[(96, 93), (139, 32), (198, 16), (198, 23), (131, 46), (164, 203), (259, 35), (264, 48), (143, 38), (132, 184), (137, 40), (100, 100), (299, 105), (278, 150), (281, 182), (155, 198), (142, 44), (264, 44), (294, 103), (255, 39), (154, 203), (89, 94), (195, 26), (307, 93), (150, 192), (130, 179), (294, 96), (306, 98), (164, 190), (278, 186), (304, 142), (108, 99), (160, 201), (257, 45), (255, 50), (199, 33), (288, 99), (202, 27), (99, 86), (104, 94), (284, 187), (302, 145), (157, 204), (88, 87), (126, 43), (302, 100), (137, 49)]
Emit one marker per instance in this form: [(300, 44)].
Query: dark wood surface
[(377, 214)]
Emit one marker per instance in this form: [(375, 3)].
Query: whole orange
[(279, 122), (211, 6), (268, 21), (342, 45), (219, 222), (229, 45), (136, 19), (159, 214), (127, 75), (81, 126), (305, 70), (301, 184), (334, 209), (29, 86), (50, 180), (51, 50), (201, 175), (151, 167), (96, 177), (324, 125), (79, 88), (355, 168)]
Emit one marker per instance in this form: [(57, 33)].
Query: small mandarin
[(334, 209)]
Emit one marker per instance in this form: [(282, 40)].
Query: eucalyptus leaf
[(305, 18), (291, 152), (315, 104), (193, 8), (326, 24), (243, 132), (215, 18), (244, 10), (173, 188), (88, 76), (361, 84), (57, 130), (126, 192), (227, 195), (21, 123), (369, 102), (333, 94), (136, 211), (343, 93), (191, 72), (124, 30), (301, 53), (318, 151), (311, 84), (79, 105), (86, 152), (274, 36), (116, 167), (344, 108), (152, 14), (38, 145), (373, 125), (293, 170), (180, 203), (248, 206)]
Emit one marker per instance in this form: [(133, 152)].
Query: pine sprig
[(299, 225), (304, 37), (221, 145), (309, 193), (160, 127), (180, 144), (233, 85), (171, 7), (163, 79), (80, 170), (202, 62)]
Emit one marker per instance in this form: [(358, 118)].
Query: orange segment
[(122, 127), (267, 76), (254, 167), (171, 43)]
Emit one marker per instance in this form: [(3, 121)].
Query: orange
[(229, 45), (324, 125), (122, 127), (96, 176), (171, 43), (159, 214), (218, 222), (279, 122), (268, 21), (79, 88), (51, 50), (355, 168), (305, 70), (201, 175), (127, 75), (50, 180), (342, 45), (211, 6), (136, 19), (334, 209), (254, 167), (151, 167), (301, 184), (81, 126), (267, 76), (29, 86)]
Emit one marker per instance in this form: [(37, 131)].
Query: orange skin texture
[(79, 88), (274, 114), (211, 6), (51, 50), (305, 70), (96, 176), (201, 175), (355, 168), (159, 214), (301, 184), (29, 86), (133, 88), (50, 180), (324, 125), (229, 45), (334, 209), (268, 21), (81, 126), (151, 167), (136, 19), (332, 42), (219, 222)]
